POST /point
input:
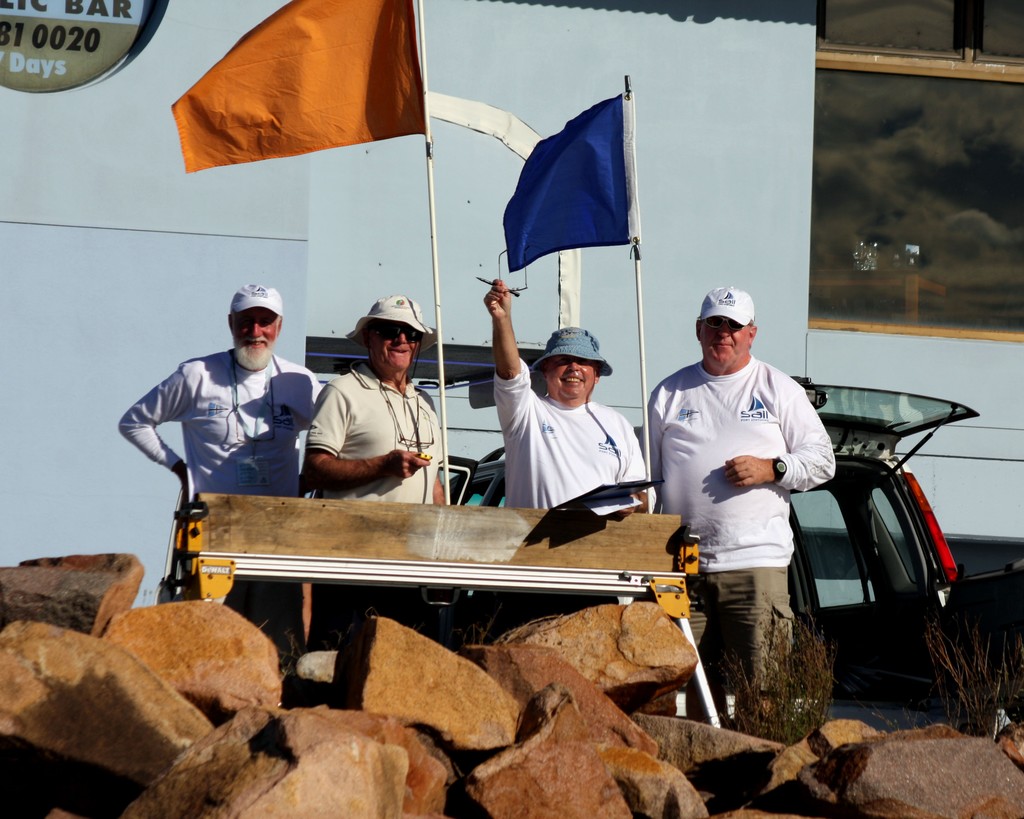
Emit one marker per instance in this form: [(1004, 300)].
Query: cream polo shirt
[(358, 417)]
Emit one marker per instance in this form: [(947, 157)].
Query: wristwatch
[(778, 469)]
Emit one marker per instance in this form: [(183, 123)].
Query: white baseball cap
[(256, 295), (730, 302)]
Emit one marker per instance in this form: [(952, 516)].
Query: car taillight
[(946, 560)]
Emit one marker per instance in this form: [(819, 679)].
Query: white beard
[(252, 358)]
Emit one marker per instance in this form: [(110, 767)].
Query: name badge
[(254, 471)]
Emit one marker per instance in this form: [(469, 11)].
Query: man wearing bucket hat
[(241, 412), (732, 436), (562, 445), (376, 437), (557, 447)]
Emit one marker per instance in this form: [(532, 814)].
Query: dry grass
[(978, 678), (791, 695)]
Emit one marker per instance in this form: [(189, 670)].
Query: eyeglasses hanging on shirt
[(414, 442)]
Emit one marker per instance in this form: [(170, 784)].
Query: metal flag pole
[(629, 134), (443, 415)]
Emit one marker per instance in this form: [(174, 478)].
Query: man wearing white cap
[(732, 436), (374, 436), (241, 412)]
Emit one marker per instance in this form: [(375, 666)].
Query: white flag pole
[(433, 253), (629, 146)]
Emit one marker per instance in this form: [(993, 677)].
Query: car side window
[(487, 490), (477, 490), (839, 577), (894, 547)]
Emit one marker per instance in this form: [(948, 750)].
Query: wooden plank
[(251, 524)]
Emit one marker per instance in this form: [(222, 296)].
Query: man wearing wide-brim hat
[(374, 436)]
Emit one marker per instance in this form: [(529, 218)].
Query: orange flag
[(316, 74)]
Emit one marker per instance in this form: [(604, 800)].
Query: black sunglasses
[(391, 332), (715, 322)]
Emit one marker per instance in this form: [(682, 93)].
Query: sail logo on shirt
[(687, 414), (547, 429), (284, 419), (608, 446), (757, 411), (216, 409)]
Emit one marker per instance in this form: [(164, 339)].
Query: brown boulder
[(652, 788), (1011, 742), (391, 669), (917, 776), (78, 592), (523, 670), (84, 725), (196, 646), (634, 653), (553, 774), (728, 766), (785, 767), (426, 780), (262, 763)]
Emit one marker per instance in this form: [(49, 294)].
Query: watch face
[(779, 467)]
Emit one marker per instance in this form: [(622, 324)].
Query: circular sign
[(53, 45)]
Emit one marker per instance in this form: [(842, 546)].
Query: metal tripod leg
[(702, 680)]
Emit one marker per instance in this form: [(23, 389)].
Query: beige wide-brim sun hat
[(399, 309)]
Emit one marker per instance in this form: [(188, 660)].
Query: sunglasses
[(391, 332), (715, 323)]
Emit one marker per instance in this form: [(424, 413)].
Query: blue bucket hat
[(578, 343)]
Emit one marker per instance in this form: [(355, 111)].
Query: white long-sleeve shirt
[(698, 422), (240, 428), (555, 453)]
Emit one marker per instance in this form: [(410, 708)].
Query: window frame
[(972, 62)]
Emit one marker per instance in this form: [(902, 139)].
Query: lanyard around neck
[(268, 400)]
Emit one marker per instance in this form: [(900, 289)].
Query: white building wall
[(117, 265)]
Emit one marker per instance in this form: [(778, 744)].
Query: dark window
[(926, 24), (1002, 29), (917, 223)]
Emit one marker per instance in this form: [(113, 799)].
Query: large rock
[(554, 773), (634, 653), (391, 669), (788, 764), (1011, 742), (303, 762), (523, 670), (653, 789), (900, 776), (427, 777), (84, 725), (79, 592), (729, 766), (196, 646)]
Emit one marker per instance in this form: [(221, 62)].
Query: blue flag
[(577, 188)]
